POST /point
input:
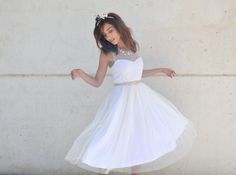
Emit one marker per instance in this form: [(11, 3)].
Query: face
[(110, 33)]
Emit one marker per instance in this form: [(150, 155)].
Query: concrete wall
[(42, 110)]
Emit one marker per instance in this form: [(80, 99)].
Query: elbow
[(97, 84)]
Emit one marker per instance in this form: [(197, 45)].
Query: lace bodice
[(126, 68)]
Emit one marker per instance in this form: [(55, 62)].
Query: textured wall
[(42, 110)]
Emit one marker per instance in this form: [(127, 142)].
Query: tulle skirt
[(135, 130)]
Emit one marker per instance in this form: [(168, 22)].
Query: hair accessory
[(101, 18)]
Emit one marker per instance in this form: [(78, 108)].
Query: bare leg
[(135, 169), (103, 171), (102, 174)]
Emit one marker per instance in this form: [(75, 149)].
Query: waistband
[(128, 83)]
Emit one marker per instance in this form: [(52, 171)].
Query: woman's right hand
[(75, 73)]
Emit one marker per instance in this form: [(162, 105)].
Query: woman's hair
[(120, 26)]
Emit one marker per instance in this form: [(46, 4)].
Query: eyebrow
[(108, 29)]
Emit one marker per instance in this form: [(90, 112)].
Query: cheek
[(117, 35)]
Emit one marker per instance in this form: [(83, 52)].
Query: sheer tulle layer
[(135, 130)]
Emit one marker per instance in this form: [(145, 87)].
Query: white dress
[(135, 128)]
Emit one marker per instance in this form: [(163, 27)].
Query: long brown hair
[(125, 33)]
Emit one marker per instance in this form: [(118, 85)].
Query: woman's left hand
[(169, 72)]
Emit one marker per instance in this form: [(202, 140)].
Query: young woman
[(135, 128)]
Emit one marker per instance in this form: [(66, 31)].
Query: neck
[(121, 45)]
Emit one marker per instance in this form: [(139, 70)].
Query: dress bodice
[(126, 68)]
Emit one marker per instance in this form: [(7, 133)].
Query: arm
[(100, 74), (156, 71), (151, 72)]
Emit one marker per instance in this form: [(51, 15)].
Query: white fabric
[(131, 70), (134, 125)]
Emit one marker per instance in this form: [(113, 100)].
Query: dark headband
[(104, 16)]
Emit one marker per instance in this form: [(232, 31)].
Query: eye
[(109, 31)]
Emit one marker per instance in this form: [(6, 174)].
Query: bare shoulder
[(107, 58), (138, 49)]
